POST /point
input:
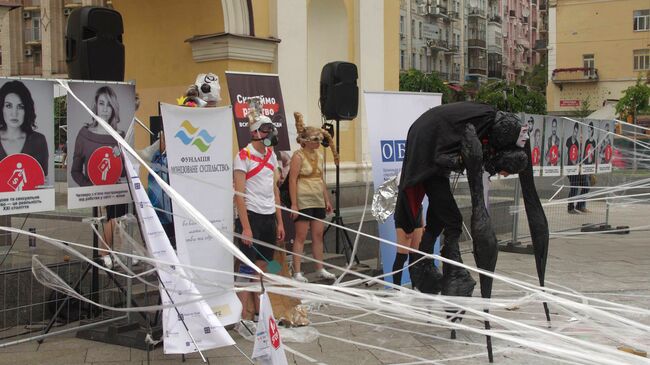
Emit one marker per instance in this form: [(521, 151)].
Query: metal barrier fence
[(29, 309)]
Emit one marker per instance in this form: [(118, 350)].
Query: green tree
[(416, 80), (511, 97), (635, 99), (537, 78), (585, 108), (60, 119)]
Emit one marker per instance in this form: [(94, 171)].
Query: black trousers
[(578, 182)]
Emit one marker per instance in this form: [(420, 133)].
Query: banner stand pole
[(337, 219)]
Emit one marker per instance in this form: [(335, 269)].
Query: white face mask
[(523, 136)]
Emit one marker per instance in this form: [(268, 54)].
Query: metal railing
[(473, 42), (476, 11)]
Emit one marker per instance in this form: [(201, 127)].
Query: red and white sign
[(536, 154), (569, 103), (607, 154), (573, 153), (268, 349), (105, 166), (20, 172), (553, 155)]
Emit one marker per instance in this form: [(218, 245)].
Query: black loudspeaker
[(339, 94), (93, 47)]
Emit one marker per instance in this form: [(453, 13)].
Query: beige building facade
[(596, 49)]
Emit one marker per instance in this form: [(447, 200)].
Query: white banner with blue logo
[(187, 327), (389, 116), (199, 157)]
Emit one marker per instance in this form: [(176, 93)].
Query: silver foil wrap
[(384, 199)]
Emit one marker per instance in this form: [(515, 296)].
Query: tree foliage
[(60, 119), (537, 78), (416, 80), (635, 98), (512, 98)]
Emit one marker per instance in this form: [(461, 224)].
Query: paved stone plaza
[(608, 266)]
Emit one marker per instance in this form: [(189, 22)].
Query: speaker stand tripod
[(337, 219)]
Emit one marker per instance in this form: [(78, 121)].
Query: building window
[(413, 60), (412, 28), (588, 63), (642, 20), (421, 63), (641, 59), (401, 59), (401, 25), (420, 29)]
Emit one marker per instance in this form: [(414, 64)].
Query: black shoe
[(458, 282), (425, 277)]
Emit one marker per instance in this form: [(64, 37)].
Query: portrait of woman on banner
[(24, 153), (97, 158)]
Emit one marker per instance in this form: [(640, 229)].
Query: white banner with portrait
[(552, 160), (203, 331), (199, 157), (535, 128), (26, 146), (605, 146), (96, 173), (589, 144), (572, 152), (389, 116)]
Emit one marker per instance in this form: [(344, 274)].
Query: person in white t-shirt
[(255, 176)]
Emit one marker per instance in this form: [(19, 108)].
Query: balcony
[(433, 11), (574, 75), (476, 43), (443, 76), (524, 42), (520, 66), (476, 71), (453, 48), (29, 68), (540, 45), (494, 19), (542, 5), (495, 74), (32, 36), (476, 12), (493, 48), (437, 45), (71, 4), (454, 77), (31, 5), (454, 16)]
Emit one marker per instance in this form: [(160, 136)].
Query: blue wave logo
[(189, 136)]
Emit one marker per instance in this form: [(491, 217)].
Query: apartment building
[(32, 37), (596, 50), (471, 40), (522, 27), (431, 38)]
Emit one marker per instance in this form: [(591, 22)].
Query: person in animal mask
[(309, 195)]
